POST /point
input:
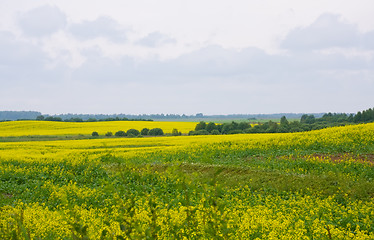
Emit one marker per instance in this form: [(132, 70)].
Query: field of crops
[(310, 185), (31, 128)]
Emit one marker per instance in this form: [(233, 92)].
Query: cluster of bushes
[(134, 133), (203, 128)]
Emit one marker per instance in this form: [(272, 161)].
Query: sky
[(186, 57)]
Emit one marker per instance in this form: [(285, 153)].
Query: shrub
[(215, 132), (95, 134), (248, 130), (236, 131), (144, 131), (199, 132), (132, 132), (120, 134), (109, 134), (156, 132), (200, 126), (210, 127), (57, 119), (175, 132)]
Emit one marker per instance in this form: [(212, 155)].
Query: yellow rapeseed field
[(30, 128), (310, 185)]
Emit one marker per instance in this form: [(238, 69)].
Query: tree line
[(77, 119), (307, 122), (18, 115)]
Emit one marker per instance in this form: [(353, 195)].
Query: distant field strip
[(44, 128)]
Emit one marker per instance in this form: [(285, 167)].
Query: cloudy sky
[(174, 56)]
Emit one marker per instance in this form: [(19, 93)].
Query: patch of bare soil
[(6, 195)]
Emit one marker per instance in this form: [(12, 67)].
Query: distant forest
[(314, 120), (18, 115), (32, 115)]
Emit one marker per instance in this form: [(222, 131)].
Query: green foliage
[(309, 119), (108, 134), (56, 119), (156, 132), (200, 126), (120, 134), (40, 118), (210, 127), (144, 131), (307, 123), (95, 134), (198, 132), (76, 119), (175, 132), (133, 132), (244, 125), (215, 132)]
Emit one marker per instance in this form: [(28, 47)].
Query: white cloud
[(156, 39), (103, 26), (368, 40), (328, 31), (42, 21)]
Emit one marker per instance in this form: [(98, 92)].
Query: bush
[(244, 125), (156, 132), (236, 131), (120, 134), (248, 130), (95, 134), (133, 132), (56, 119), (210, 127), (144, 131), (109, 134), (175, 132), (215, 132), (199, 132), (200, 126)]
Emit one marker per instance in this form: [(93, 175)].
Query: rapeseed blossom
[(138, 188)]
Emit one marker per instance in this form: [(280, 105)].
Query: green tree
[(211, 126), (272, 127), (215, 132), (109, 134), (95, 134), (175, 132), (200, 126), (284, 125), (40, 118), (144, 131), (284, 121), (56, 119), (244, 125), (133, 132), (120, 134), (156, 132), (357, 117)]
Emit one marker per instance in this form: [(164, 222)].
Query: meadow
[(308, 185)]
